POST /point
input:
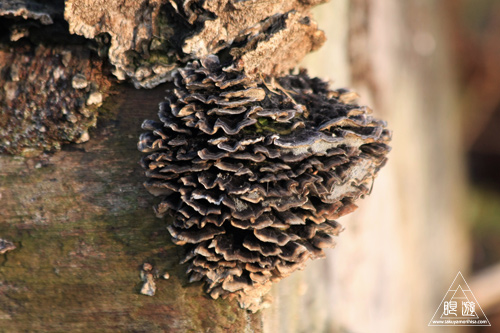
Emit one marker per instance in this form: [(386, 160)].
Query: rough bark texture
[(149, 39), (126, 29), (83, 226), (50, 96), (52, 83)]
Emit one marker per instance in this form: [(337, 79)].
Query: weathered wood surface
[(83, 224)]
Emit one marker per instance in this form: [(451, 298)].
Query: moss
[(266, 125), (161, 58)]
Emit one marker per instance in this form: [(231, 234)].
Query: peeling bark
[(149, 39)]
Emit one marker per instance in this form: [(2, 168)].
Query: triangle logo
[(459, 307)]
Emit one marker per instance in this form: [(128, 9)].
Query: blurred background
[(475, 34), (432, 70)]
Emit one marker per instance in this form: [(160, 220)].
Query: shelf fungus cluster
[(255, 172)]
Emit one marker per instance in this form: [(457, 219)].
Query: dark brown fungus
[(255, 172)]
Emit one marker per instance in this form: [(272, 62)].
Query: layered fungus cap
[(255, 173)]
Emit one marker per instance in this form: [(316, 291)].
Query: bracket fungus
[(255, 172)]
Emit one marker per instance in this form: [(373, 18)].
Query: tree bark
[(83, 226)]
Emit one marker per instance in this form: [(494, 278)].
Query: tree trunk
[(83, 224)]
